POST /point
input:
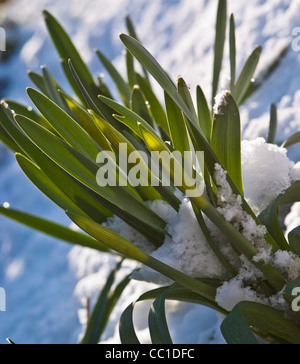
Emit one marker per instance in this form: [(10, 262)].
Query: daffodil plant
[(58, 148)]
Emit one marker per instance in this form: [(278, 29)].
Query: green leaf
[(294, 241), (117, 78), (139, 105), (204, 115), (269, 217), (133, 34), (73, 82), (294, 139), (226, 139), (6, 139), (178, 130), (219, 44), (289, 290), (158, 326), (126, 328), (87, 123), (102, 309), (53, 229), (157, 111), (236, 330), (273, 124), (185, 94), (268, 319), (38, 81), (52, 90), (66, 48), (266, 73), (232, 52), (246, 75)]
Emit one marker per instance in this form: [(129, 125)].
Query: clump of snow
[(232, 210), (119, 226), (220, 102), (238, 289), (267, 171), (185, 248)]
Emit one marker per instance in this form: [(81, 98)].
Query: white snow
[(220, 102), (267, 171), (43, 301)]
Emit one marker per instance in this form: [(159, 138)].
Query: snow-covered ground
[(47, 281)]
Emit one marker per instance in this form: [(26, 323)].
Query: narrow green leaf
[(226, 139), (133, 34), (204, 114), (52, 90), (291, 292), (38, 81), (157, 111), (219, 44), (270, 320), (158, 326), (103, 88), (294, 241), (53, 229), (232, 52), (266, 73), (90, 95), (246, 75), (114, 297), (269, 217), (149, 62), (178, 130), (131, 75), (294, 139), (185, 94), (236, 330), (139, 105), (98, 320), (273, 124), (73, 83), (87, 123), (126, 328), (117, 78), (65, 47)]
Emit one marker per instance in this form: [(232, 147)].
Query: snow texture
[(47, 281)]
